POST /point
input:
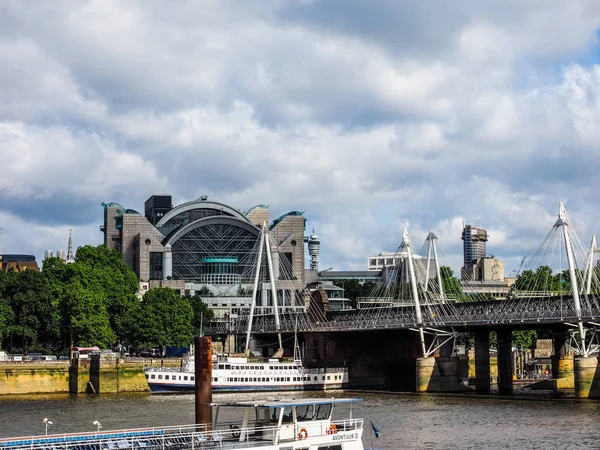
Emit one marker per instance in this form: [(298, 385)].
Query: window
[(166, 377), (191, 378), (322, 412), (185, 377), (160, 377), (152, 376), (287, 415), (303, 413)]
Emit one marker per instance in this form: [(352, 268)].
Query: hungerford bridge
[(413, 301)]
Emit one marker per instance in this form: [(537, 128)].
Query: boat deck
[(226, 436)]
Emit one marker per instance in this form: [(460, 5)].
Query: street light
[(46, 422), (97, 424)]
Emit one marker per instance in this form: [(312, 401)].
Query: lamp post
[(95, 422), (46, 422)]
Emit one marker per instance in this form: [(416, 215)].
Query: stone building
[(203, 244)]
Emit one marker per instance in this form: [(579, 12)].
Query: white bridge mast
[(413, 285), (563, 221)]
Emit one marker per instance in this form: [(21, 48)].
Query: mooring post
[(203, 380)]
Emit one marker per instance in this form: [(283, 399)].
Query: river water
[(407, 421)]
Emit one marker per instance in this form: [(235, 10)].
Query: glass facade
[(214, 253), (186, 217)]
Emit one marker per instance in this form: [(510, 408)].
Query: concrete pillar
[(439, 374), (587, 378), (167, 258), (505, 373), (562, 363), (482, 362), (426, 381)]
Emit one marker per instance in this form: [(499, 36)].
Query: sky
[(368, 116)]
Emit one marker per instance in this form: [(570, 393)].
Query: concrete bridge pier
[(482, 362), (562, 363), (439, 374), (505, 372), (587, 377)]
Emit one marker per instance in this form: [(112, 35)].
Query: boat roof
[(292, 402)]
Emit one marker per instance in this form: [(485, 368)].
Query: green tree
[(452, 287), (6, 319), (164, 318), (35, 317), (202, 315), (523, 339), (86, 318), (103, 270)]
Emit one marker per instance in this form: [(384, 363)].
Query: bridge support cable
[(563, 222), (255, 289), (274, 295), (590, 267), (413, 283)]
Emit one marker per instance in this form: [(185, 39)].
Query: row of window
[(234, 367), (245, 379), (172, 377)]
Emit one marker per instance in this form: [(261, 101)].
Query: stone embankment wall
[(96, 375)]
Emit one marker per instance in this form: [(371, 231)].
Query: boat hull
[(158, 388)]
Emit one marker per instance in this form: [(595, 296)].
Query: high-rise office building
[(474, 240), (474, 248)]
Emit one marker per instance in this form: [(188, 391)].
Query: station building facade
[(205, 244)]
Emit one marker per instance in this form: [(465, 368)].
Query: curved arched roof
[(201, 204), (212, 220)]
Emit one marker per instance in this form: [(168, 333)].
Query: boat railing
[(228, 435)]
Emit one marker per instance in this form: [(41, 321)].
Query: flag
[(375, 430)]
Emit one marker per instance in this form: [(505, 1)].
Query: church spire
[(70, 255)]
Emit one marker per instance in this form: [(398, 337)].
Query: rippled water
[(407, 421)]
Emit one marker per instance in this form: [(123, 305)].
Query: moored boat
[(235, 374)]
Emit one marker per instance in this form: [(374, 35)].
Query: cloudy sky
[(367, 115)]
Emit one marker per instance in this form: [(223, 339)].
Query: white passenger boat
[(304, 424), (235, 374)]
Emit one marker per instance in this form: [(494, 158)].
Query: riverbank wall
[(94, 375)]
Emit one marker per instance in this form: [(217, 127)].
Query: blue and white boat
[(238, 373), (302, 424)]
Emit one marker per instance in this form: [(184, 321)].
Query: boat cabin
[(303, 423)]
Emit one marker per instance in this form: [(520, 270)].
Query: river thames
[(407, 421)]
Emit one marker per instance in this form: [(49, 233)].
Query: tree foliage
[(164, 318), (92, 301), (452, 287), (354, 289)]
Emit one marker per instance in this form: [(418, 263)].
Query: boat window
[(152, 376), (191, 378), (166, 377), (322, 412), (185, 377), (221, 366), (160, 377), (303, 413), (330, 447), (262, 367), (265, 414), (287, 415), (227, 366)]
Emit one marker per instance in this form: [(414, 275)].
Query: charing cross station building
[(205, 246)]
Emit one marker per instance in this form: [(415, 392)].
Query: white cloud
[(419, 116)]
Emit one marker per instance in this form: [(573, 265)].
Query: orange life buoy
[(332, 429), (303, 434)]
